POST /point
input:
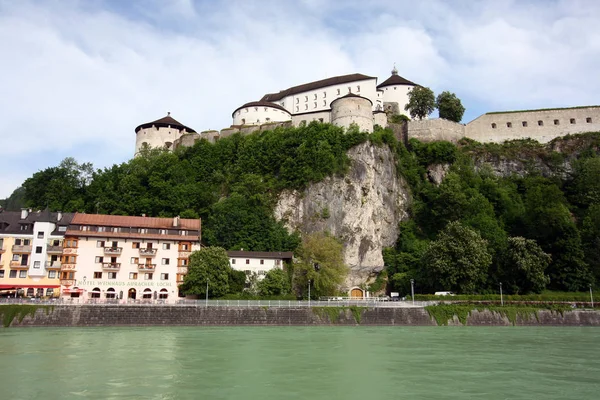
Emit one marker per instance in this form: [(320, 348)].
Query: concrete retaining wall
[(140, 315)]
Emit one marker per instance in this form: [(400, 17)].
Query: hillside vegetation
[(530, 231)]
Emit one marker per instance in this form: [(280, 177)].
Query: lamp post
[(591, 295), (501, 298), (412, 291), (206, 305), (309, 292)]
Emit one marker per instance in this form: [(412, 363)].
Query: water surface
[(300, 363)]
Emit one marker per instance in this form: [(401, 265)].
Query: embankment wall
[(140, 315)]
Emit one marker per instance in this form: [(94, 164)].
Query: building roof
[(283, 255), (261, 103), (351, 95), (134, 222), (11, 221), (396, 80), (132, 235), (165, 122), (336, 80)]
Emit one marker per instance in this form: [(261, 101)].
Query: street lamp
[(206, 292), (412, 290), (591, 296), (501, 298), (309, 292)]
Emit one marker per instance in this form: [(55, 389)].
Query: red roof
[(134, 222)]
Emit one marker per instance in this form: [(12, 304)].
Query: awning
[(29, 286), (73, 291)]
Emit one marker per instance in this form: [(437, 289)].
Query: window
[(297, 108), (112, 275), (247, 261), (163, 231), (26, 242), (315, 96), (524, 123), (1, 273), (184, 247), (49, 292), (324, 94), (135, 245), (556, 122), (588, 120), (23, 273), (233, 261), (572, 120), (306, 106), (321, 120), (133, 275), (40, 235), (15, 257), (38, 249), (37, 264), (338, 91), (277, 262), (248, 272), (358, 89), (165, 261), (148, 276), (184, 233), (494, 126), (184, 262), (166, 246), (324, 103), (135, 260), (24, 227), (315, 105), (262, 262), (164, 277), (97, 275), (349, 89), (12, 274), (99, 259), (51, 274), (509, 124), (17, 242), (62, 228), (541, 123), (305, 98), (261, 272), (100, 243)]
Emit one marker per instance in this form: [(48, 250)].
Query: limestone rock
[(362, 208)]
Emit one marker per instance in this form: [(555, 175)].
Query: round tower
[(160, 133), (260, 112), (352, 109)]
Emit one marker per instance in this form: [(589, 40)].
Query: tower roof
[(261, 104), (165, 122), (396, 79)]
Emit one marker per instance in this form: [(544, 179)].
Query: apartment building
[(120, 257), (31, 245)]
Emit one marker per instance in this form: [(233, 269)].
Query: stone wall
[(144, 315), (430, 130)]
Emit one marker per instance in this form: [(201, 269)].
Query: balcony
[(67, 282), (54, 249), (146, 267), (147, 252), (21, 249), (182, 270), (53, 264), (113, 250), (68, 267), (18, 265), (111, 266)]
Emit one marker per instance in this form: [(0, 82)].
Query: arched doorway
[(75, 292), (95, 293), (147, 294), (356, 293), (164, 294), (110, 293), (131, 294)]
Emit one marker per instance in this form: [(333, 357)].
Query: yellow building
[(31, 247)]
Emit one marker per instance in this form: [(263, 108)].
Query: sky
[(77, 76)]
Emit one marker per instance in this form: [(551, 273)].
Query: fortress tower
[(395, 92), (352, 109), (160, 133)]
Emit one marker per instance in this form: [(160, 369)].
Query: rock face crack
[(364, 209)]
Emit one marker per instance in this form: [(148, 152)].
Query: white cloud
[(78, 78)]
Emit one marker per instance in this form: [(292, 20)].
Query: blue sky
[(79, 75)]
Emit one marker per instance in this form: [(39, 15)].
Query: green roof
[(541, 109)]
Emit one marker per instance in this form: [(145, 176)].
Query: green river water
[(300, 363)]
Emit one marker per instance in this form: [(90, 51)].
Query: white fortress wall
[(156, 137), (430, 130), (380, 118), (397, 94), (353, 110), (321, 116), (541, 125)]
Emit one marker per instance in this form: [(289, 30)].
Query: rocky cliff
[(362, 208)]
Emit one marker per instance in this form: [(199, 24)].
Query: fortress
[(358, 99)]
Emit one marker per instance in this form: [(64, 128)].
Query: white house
[(258, 262)]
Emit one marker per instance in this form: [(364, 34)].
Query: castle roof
[(352, 95), (261, 103), (165, 122), (336, 80), (396, 79)]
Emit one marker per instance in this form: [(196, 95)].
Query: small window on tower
[(509, 124)]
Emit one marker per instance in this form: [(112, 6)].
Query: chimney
[(176, 221), (24, 213), (58, 215)]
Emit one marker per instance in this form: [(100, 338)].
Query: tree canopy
[(208, 266), (421, 102), (449, 106)]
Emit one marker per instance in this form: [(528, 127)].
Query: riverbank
[(184, 315)]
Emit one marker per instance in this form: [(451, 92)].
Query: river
[(300, 363)]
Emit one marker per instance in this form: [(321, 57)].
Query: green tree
[(590, 235), (275, 283), (320, 261), (210, 264), (237, 281), (457, 260), (524, 266), (449, 106), (421, 102)]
